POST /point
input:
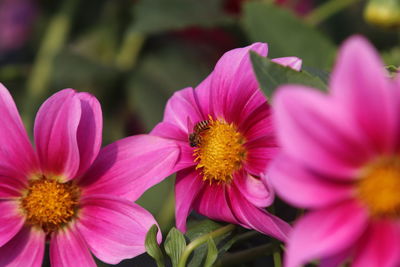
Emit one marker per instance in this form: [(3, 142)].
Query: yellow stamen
[(220, 151), (379, 187), (49, 204)]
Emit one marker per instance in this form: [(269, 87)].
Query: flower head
[(340, 159), (223, 129), (70, 192)]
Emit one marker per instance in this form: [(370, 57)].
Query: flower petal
[(68, 248), (56, 128), (89, 133), (130, 166), (114, 229), (11, 221), (187, 186), (212, 202), (292, 62), (260, 152), (181, 107), (379, 246), (256, 218), (10, 187), (17, 157), (25, 249), (300, 187), (253, 189), (233, 82), (360, 84), (310, 123), (333, 229), (170, 131)]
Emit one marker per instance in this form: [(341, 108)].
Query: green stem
[(53, 41), (326, 10), (231, 259), (201, 240), (277, 259)]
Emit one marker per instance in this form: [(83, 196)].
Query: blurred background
[(132, 55)]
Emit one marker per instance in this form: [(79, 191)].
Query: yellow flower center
[(220, 151), (49, 204), (379, 187)]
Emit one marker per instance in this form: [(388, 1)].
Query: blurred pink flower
[(341, 159), (16, 20), (224, 132), (70, 192)]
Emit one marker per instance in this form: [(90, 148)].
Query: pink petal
[(360, 84), (203, 94), (302, 188), (56, 128), (310, 123), (130, 166), (324, 233), (379, 246), (10, 187), (260, 151), (255, 113), (233, 82), (68, 248), (89, 133), (187, 186), (292, 62), (170, 131), (114, 229), (181, 106), (11, 220), (25, 249), (253, 189), (256, 218), (212, 202), (17, 158)]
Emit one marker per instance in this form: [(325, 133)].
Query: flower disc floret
[(220, 152), (50, 204), (379, 187)]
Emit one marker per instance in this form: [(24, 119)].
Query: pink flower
[(224, 132), (341, 159), (68, 191)]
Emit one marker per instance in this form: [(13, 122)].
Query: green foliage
[(271, 75), (152, 247), (161, 15), (287, 35), (175, 244), (212, 253), (222, 242)]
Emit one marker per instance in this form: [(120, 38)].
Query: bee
[(195, 137)]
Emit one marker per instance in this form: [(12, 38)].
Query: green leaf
[(271, 75), (286, 34), (212, 253), (175, 244), (223, 243), (152, 247), (163, 15)]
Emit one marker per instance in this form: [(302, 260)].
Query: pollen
[(220, 152), (379, 187), (50, 204)]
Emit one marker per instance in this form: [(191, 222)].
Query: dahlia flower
[(223, 129), (340, 159), (67, 191)]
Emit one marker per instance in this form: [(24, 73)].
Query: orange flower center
[(49, 204), (379, 187), (220, 151)]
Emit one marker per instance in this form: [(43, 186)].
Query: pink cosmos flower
[(223, 129), (68, 191), (341, 159)]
